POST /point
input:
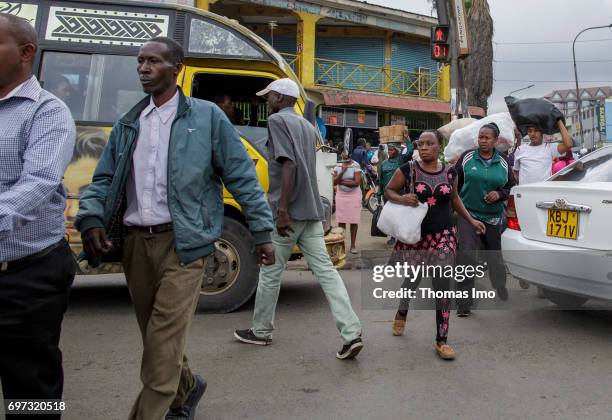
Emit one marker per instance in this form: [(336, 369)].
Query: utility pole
[(447, 16), (578, 98)]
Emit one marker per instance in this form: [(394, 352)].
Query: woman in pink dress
[(347, 178)]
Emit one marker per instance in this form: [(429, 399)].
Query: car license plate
[(562, 224)]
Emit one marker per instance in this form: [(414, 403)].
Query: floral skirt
[(433, 248)]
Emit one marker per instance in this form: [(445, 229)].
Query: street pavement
[(536, 363), (540, 363)]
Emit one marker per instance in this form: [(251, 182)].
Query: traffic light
[(440, 49)]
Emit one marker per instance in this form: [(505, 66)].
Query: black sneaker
[(248, 336), (187, 411), (463, 312), (502, 292), (350, 350)]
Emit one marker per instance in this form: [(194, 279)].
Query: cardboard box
[(383, 131), (396, 130), (392, 139)]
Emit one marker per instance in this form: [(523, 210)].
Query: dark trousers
[(443, 305), (469, 243), (33, 300)]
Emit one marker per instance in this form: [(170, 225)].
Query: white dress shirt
[(147, 201)]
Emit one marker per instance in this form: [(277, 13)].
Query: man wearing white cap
[(296, 205)]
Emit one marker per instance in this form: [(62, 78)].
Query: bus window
[(207, 38), (236, 91), (96, 88)]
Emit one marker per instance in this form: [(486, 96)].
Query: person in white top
[(533, 161)]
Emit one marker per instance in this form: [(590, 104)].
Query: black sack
[(534, 111), (374, 231)]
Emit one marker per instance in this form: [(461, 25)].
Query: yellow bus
[(87, 58)]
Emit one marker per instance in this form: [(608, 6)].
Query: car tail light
[(511, 216)]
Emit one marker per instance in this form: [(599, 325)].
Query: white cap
[(283, 86)]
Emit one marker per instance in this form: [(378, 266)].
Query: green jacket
[(204, 153), (476, 179), (387, 169)]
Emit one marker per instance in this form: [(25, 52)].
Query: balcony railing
[(361, 77), (294, 62), (343, 75)]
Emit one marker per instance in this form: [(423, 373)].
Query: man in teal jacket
[(160, 179)]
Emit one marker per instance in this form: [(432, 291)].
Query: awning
[(350, 98)]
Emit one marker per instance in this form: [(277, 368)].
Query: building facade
[(592, 112), (364, 65), (591, 129), (567, 101)]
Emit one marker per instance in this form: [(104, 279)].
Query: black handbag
[(374, 231)]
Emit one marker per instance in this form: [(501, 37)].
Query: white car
[(559, 234)]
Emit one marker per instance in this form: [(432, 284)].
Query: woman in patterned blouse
[(435, 184)]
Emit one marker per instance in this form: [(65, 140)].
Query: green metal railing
[(294, 62), (361, 77), (344, 75)]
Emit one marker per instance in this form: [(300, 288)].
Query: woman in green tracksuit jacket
[(484, 182)]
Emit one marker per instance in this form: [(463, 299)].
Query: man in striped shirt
[(37, 137)]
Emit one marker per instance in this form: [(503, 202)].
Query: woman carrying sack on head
[(433, 183), (347, 176)]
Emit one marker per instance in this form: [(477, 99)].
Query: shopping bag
[(403, 222)]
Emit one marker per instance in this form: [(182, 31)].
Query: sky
[(548, 27)]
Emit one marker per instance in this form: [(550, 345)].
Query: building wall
[(410, 55), (589, 127), (283, 43), (368, 51)]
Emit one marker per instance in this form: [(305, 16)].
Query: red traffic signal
[(440, 34), (440, 49)]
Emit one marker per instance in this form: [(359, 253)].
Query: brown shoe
[(398, 327), (445, 351)]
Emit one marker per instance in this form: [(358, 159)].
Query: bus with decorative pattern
[(87, 57)]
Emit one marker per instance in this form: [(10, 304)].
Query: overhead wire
[(550, 61), (552, 42)]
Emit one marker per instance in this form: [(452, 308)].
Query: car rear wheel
[(564, 300), (231, 272)]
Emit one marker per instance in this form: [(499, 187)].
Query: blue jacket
[(359, 155), (204, 153)]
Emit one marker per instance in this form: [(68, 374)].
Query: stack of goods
[(466, 138), (392, 134)]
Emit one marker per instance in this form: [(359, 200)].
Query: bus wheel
[(231, 272)]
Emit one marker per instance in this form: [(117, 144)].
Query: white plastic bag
[(448, 129), (402, 222), (466, 138)]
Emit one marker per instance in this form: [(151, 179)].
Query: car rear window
[(594, 167)]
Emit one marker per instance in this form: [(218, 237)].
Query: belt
[(164, 227), (11, 265)]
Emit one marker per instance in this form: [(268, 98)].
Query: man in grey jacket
[(160, 180), (296, 203)]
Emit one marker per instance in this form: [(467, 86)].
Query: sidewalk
[(365, 242)]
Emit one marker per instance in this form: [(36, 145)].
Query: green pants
[(308, 235)]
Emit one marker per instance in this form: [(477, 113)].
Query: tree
[(478, 66)]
